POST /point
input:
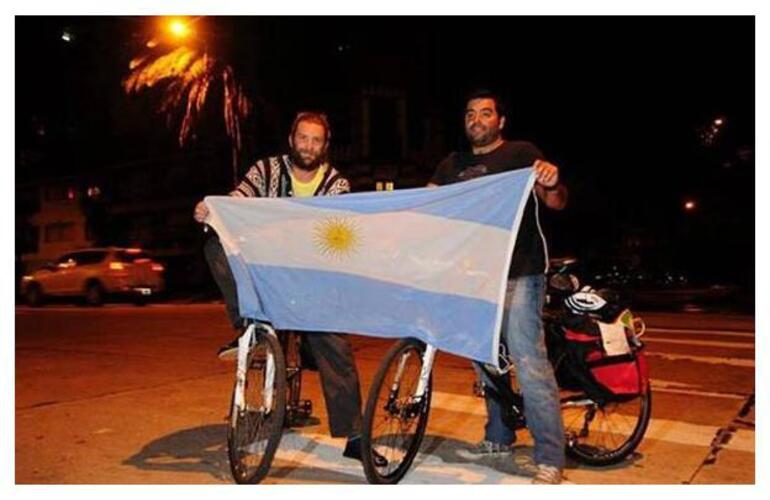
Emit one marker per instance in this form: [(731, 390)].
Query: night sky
[(616, 102)]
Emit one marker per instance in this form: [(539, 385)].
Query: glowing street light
[(178, 28), (689, 205), (718, 122)]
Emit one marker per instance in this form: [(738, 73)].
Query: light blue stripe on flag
[(449, 201), (458, 325)]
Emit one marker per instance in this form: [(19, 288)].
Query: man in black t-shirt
[(522, 324)]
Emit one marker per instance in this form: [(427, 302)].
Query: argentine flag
[(424, 263)]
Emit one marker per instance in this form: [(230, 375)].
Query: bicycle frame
[(298, 411), (509, 400), (505, 394)]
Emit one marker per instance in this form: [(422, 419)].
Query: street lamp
[(689, 205), (178, 28)]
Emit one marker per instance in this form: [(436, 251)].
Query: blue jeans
[(523, 333)]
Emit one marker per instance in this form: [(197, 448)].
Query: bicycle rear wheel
[(394, 420), (604, 434), (255, 431)]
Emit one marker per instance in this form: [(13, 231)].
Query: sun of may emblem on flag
[(337, 237)]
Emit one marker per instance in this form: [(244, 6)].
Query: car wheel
[(94, 294), (34, 295)]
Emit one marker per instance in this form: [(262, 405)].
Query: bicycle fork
[(422, 383), (427, 367), (245, 342)]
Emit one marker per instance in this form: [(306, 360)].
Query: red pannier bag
[(607, 377)]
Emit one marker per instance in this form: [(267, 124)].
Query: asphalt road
[(123, 394)]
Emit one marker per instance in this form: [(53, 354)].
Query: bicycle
[(265, 399), (598, 432)]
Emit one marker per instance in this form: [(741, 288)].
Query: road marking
[(671, 431), (704, 343), (303, 454), (712, 360), (702, 332), (670, 388)]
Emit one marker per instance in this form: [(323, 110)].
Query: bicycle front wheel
[(395, 419), (254, 431), (605, 434)]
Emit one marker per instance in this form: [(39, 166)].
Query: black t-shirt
[(529, 253)]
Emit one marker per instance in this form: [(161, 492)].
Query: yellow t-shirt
[(307, 189)]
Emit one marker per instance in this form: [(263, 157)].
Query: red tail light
[(158, 268)]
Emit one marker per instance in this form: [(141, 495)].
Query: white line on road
[(672, 387), (702, 332), (671, 431), (320, 454), (712, 360), (704, 343), (721, 395)]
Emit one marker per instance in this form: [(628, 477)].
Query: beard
[(303, 164), (482, 136)]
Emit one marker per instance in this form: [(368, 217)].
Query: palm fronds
[(185, 76)]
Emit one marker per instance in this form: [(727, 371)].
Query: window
[(90, 257), (66, 261), (67, 257), (59, 232)]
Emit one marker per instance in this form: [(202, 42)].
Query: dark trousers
[(331, 351)]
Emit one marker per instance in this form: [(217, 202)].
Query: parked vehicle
[(95, 274)]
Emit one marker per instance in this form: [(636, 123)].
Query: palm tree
[(186, 71)]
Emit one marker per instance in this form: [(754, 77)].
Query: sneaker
[(353, 450), (229, 351), (547, 474), (524, 465), (483, 449)]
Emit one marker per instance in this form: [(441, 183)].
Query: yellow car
[(95, 273)]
